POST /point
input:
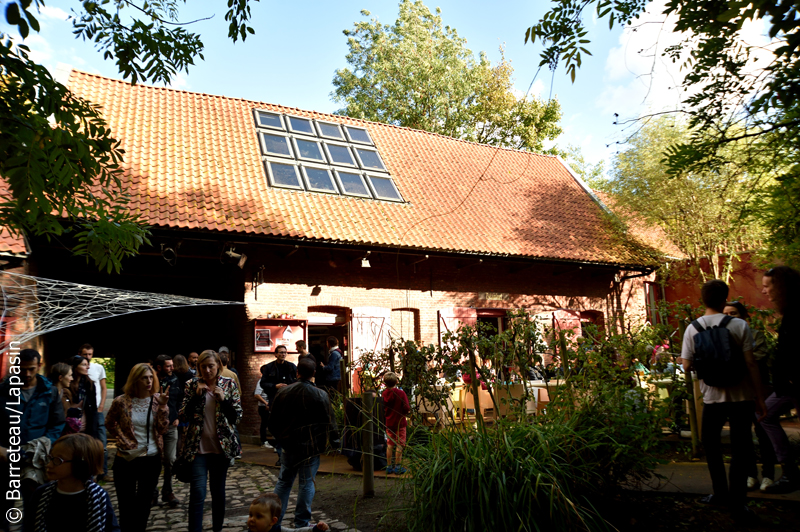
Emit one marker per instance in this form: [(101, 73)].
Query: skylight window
[(319, 179), (270, 120), (384, 188), (301, 125), (357, 134), (309, 150), (370, 160), (353, 184), (318, 156), (340, 154), (330, 131), (283, 175), (273, 144)]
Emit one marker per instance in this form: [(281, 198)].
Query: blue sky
[(299, 45)]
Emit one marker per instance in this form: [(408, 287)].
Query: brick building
[(337, 226)]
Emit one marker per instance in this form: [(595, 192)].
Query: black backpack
[(718, 359)]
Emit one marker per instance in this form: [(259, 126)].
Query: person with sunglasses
[(71, 501)]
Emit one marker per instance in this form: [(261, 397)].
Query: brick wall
[(416, 296)]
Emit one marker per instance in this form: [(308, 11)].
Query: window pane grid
[(290, 143)]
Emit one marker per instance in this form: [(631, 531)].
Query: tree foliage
[(420, 74), (728, 102), (705, 213), (59, 161)]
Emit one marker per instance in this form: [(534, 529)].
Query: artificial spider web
[(43, 305)]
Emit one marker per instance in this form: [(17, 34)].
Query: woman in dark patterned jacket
[(211, 406)]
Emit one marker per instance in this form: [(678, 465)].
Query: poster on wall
[(270, 333)]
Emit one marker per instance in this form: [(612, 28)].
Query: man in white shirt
[(98, 375), (735, 404)]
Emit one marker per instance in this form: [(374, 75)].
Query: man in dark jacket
[(169, 382), (274, 376), (331, 365), (29, 409), (303, 422)]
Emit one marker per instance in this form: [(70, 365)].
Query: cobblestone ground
[(245, 482)]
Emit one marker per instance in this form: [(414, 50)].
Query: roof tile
[(193, 161)]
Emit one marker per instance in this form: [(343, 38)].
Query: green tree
[(420, 74), (704, 213), (592, 173), (728, 102), (59, 162)]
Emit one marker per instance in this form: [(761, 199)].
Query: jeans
[(768, 459), (214, 468), (307, 470), (772, 424), (135, 482), (170, 450), (739, 416), (101, 433)]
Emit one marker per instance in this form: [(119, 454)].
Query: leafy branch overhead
[(731, 100), (60, 163), (419, 73)]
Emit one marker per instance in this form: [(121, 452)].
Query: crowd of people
[(179, 415)]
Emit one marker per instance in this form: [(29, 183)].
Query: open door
[(450, 319)]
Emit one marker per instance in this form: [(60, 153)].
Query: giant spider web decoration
[(39, 306)]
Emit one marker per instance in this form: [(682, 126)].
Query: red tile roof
[(193, 162), (11, 245)]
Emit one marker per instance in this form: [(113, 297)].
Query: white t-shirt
[(139, 407), (741, 335), (97, 373), (262, 393)]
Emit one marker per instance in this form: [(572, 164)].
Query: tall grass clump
[(600, 432)]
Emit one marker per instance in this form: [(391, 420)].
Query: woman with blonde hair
[(138, 419), (212, 406)]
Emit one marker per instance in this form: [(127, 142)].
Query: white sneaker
[(752, 482), (266, 445), (765, 483)]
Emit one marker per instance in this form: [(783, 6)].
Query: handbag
[(131, 454), (182, 469)]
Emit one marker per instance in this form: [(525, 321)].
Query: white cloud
[(640, 79), (179, 82), (41, 51), (56, 13)]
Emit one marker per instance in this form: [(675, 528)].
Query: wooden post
[(694, 390), (475, 385), (367, 463)]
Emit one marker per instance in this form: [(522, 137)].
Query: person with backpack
[(720, 349), (781, 285)]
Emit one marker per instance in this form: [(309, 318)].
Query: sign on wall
[(270, 333)]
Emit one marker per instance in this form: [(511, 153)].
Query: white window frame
[(275, 133), (290, 129), (298, 157), (342, 145), (370, 175), (318, 124), (363, 181), (271, 178), (307, 181), (361, 142), (369, 168), (256, 112)]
